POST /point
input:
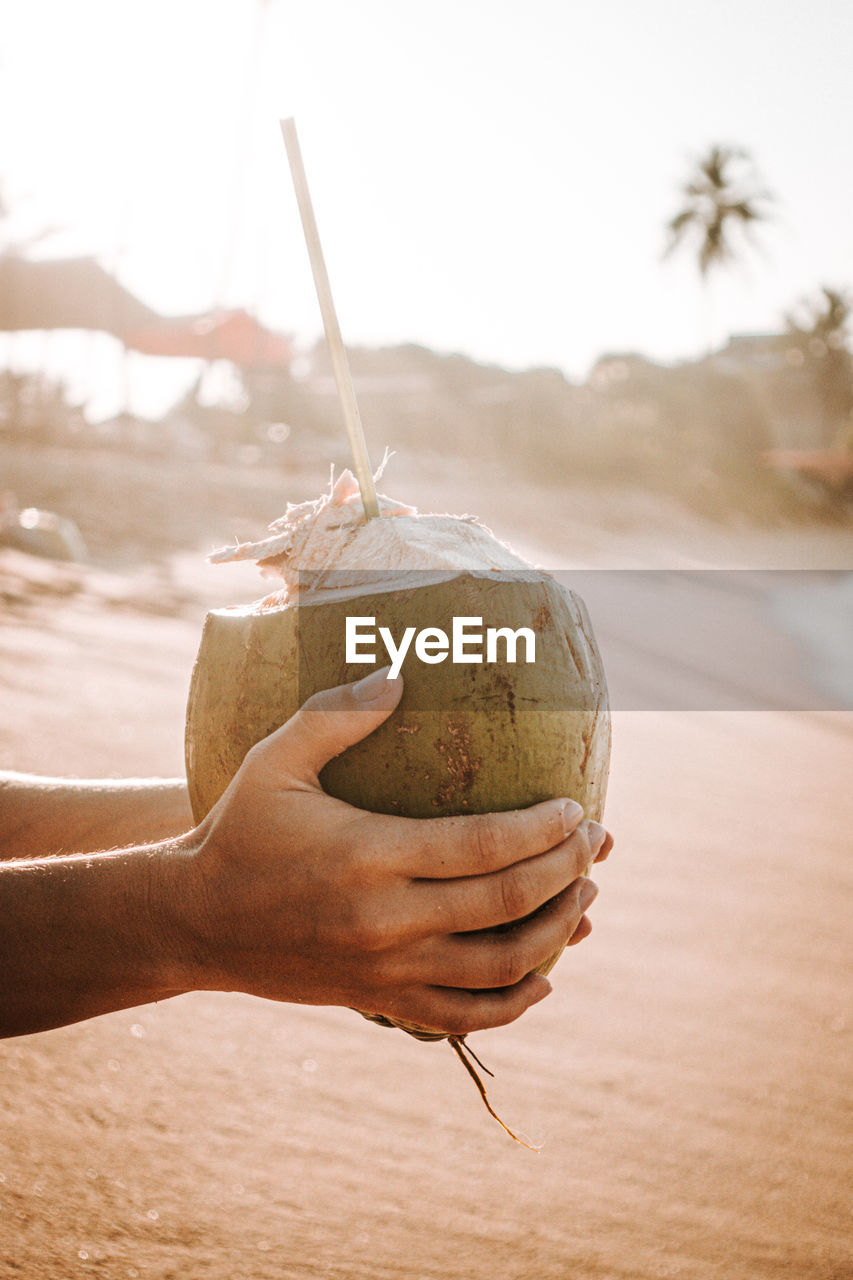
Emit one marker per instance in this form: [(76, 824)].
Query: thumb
[(333, 720)]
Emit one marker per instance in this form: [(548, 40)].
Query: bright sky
[(489, 176)]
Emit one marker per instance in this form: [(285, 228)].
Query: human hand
[(296, 896)]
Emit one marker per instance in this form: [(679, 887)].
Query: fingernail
[(544, 988), (588, 894), (372, 686), (570, 815), (596, 834)]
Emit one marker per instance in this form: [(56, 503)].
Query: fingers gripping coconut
[(502, 706), (400, 917)]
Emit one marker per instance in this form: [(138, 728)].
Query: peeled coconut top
[(328, 547)]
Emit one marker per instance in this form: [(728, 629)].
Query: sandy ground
[(689, 1079)]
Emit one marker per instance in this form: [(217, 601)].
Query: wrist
[(182, 917)]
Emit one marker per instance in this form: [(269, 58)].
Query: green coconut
[(465, 738)]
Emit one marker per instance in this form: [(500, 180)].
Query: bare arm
[(40, 816), (285, 892), (79, 935), (86, 933)]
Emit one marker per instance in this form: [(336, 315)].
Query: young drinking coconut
[(482, 732)]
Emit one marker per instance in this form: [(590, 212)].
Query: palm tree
[(821, 327), (723, 193), (823, 320)]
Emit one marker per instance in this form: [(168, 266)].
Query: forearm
[(88, 934), (40, 816)]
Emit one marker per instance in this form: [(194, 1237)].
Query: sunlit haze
[(489, 178)]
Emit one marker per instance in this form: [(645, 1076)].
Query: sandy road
[(689, 1078)]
